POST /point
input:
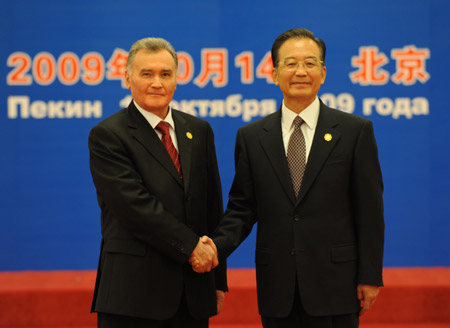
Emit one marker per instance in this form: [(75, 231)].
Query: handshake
[(204, 258)]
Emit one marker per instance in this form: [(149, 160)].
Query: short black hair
[(300, 33)]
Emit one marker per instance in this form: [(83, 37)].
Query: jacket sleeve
[(215, 207), (367, 186), (240, 215)]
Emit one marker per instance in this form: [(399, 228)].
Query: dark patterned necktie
[(296, 155), (164, 128)]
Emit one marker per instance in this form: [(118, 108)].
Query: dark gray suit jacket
[(331, 237), (150, 219)]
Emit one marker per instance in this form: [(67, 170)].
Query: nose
[(156, 82), (300, 69)]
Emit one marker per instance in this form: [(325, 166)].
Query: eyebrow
[(307, 57), (146, 69)]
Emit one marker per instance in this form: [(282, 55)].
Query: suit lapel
[(272, 143), (320, 149), (185, 137), (144, 133)]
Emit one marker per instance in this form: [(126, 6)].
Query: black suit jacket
[(150, 219), (331, 237)]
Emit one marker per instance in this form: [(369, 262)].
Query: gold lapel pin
[(328, 137), (189, 135)]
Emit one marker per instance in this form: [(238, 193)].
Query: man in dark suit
[(158, 187), (309, 176)]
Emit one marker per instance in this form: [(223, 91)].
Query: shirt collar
[(310, 115), (153, 119)]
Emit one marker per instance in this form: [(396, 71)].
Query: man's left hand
[(220, 298), (367, 294)]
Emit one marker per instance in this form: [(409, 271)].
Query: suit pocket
[(125, 246), (344, 253)]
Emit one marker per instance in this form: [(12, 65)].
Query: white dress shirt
[(154, 120), (310, 115)]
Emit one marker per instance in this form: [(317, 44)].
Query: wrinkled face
[(300, 72), (152, 80)]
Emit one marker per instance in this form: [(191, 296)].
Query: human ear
[(275, 76), (127, 80)]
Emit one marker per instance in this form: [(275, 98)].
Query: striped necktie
[(164, 128)]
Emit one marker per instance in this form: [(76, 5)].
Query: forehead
[(152, 60), (295, 47)]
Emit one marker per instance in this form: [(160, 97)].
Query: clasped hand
[(204, 258)]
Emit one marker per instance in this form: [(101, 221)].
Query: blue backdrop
[(61, 68)]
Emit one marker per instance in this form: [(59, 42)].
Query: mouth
[(300, 83)]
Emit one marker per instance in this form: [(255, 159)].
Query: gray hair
[(152, 45)]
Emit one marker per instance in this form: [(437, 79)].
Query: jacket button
[(292, 251), (296, 218)]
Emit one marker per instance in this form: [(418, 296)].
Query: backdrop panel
[(62, 64)]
